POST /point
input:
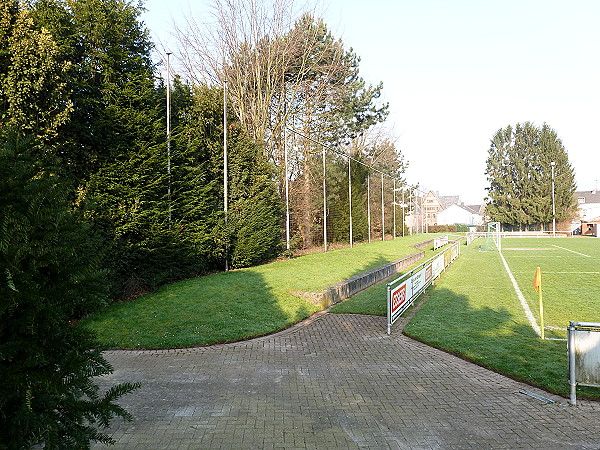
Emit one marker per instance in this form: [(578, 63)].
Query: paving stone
[(335, 381)]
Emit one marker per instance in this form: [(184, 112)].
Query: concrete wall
[(347, 288)]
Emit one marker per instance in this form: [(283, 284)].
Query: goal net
[(493, 240)]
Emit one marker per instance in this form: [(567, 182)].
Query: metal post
[(389, 309), (412, 214), (572, 374), (287, 192), (324, 206), (350, 197), (394, 203), (403, 216), (382, 212), (369, 203), (169, 133), (552, 164), (225, 169)]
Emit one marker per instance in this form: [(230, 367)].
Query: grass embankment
[(238, 304), (474, 311)]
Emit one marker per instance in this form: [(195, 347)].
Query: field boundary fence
[(403, 291)]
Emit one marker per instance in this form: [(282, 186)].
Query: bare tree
[(277, 60)]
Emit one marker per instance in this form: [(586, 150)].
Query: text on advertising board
[(398, 297)]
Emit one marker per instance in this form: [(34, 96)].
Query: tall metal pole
[(552, 164), (350, 198), (394, 204), (369, 203), (225, 176), (382, 212), (412, 214), (287, 193), (324, 205), (403, 215), (169, 133)]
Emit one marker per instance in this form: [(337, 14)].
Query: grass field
[(238, 304), (474, 310), (570, 278)]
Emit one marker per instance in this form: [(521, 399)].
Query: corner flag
[(537, 279)]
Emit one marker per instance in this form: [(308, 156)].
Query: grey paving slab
[(339, 382)]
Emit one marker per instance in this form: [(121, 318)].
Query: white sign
[(438, 266), (587, 357)]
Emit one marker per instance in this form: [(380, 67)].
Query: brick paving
[(339, 382)]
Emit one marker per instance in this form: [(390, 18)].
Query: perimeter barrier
[(403, 291), (439, 242)]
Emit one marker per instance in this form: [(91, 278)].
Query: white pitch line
[(524, 304), (576, 273), (572, 251)]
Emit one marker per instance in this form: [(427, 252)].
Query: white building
[(588, 203), (460, 214)]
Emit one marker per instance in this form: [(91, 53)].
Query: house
[(460, 214), (435, 209), (588, 204), (588, 208)]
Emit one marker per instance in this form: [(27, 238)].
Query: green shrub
[(49, 279)]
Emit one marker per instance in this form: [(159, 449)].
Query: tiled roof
[(589, 196)]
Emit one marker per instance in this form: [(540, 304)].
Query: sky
[(456, 71)]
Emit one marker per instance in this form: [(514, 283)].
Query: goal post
[(493, 237)]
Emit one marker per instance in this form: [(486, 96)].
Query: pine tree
[(519, 171), (48, 280)]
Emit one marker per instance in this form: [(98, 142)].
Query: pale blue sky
[(455, 71)]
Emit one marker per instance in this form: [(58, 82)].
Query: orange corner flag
[(537, 279)]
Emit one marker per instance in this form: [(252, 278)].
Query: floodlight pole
[(394, 203), (287, 191), (369, 203), (350, 198), (324, 204), (225, 168), (169, 132), (382, 212), (403, 216), (552, 164), (411, 212)]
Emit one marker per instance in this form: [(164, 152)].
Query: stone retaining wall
[(347, 288)]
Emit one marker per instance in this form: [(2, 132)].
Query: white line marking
[(585, 273), (524, 304), (572, 251)]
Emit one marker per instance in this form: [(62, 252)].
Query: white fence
[(439, 242)]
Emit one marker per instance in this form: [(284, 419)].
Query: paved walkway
[(336, 381)]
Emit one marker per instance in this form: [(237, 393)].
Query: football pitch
[(476, 310), (570, 279)]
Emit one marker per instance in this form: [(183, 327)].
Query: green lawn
[(238, 304), (474, 310)]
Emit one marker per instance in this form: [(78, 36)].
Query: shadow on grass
[(228, 306), (219, 308), (493, 338)]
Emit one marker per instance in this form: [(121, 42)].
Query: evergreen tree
[(48, 280), (519, 171), (110, 81), (253, 231), (33, 91)]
